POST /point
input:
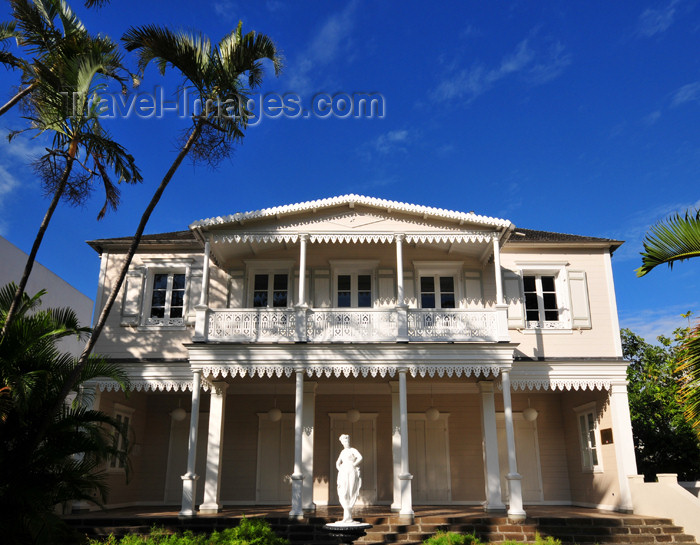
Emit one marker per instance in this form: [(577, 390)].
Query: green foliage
[(69, 463), (664, 439), (549, 540), (675, 239), (452, 538), (248, 532)]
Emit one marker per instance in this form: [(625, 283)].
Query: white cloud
[(652, 118), (687, 93), (225, 9), (650, 323), (391, 141), (536, 67), (329, 43), (15, 159), (636, 226), (655, 21)]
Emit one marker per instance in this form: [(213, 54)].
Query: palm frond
[(676, 239)]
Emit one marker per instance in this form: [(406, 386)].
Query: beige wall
[(587, 488)]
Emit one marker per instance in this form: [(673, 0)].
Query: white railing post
[(189, 479), (502, 334), (301, 307)]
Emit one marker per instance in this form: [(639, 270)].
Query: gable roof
[(351, 200), (532, 236)]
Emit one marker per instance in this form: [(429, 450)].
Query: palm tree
[(678, 239), (216, 75), (65, 103), (69, 464), (50, 32)]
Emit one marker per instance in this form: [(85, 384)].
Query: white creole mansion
[(470, 361)]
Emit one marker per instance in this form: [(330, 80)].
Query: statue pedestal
[(347, 532)]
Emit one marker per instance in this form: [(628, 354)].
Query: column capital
[(219, 387), (486, 386), (399, 237), (304, 236)]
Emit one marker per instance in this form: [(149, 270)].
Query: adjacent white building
[(59, 293)]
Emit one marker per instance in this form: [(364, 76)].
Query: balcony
[(336, 325)]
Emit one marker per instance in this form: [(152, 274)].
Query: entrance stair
[(617, 529)]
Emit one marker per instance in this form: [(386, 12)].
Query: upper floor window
[(167, 300), (354, 283), (540, 299), (271, 290), (437, 291), (354, 290)]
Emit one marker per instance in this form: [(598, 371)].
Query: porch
[(570, 524)]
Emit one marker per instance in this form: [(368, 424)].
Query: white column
[(624, 443), (497, 268), (492, 471), (297, 511), (189, 479), (405, 477), (307, 447), (302, 270), (215, 440), (396, 444), (515, 502)]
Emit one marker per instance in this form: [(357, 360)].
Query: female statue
[(349, 480)]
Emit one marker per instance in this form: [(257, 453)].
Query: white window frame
[(436, 269), (156, 266), (269, 268), (559, 272), (588, 464), (354, 269), (121, 412)]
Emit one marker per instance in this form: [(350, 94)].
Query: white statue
[(349, 480)]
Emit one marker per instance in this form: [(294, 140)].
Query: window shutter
[(512, 286), (133, 296), (322, 288), (580, 308), (194, 293), (387, 295), (235, 289), (472, 288), (409, 290)]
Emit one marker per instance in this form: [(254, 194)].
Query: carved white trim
[(153, 385), (426, 211), (568, 384), (346, 370), (353, 237), (568, 375)]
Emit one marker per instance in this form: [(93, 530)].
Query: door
[(527, 452), (275, 459), (428, 459), (363, 438), (177, 457)]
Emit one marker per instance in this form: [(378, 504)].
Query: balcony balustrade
[(345, 325)]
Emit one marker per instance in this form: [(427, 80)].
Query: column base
[(494, 508), (516, 515), (189, 489), (209, 509)]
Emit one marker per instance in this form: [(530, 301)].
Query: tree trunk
[(99, 325), (17, 300), (15, 99)]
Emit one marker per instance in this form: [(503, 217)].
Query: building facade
[(470, 361)]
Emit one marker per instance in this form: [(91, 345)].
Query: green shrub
[(248, 532), (452, 538)]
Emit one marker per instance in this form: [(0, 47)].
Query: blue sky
[(577, 117)]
